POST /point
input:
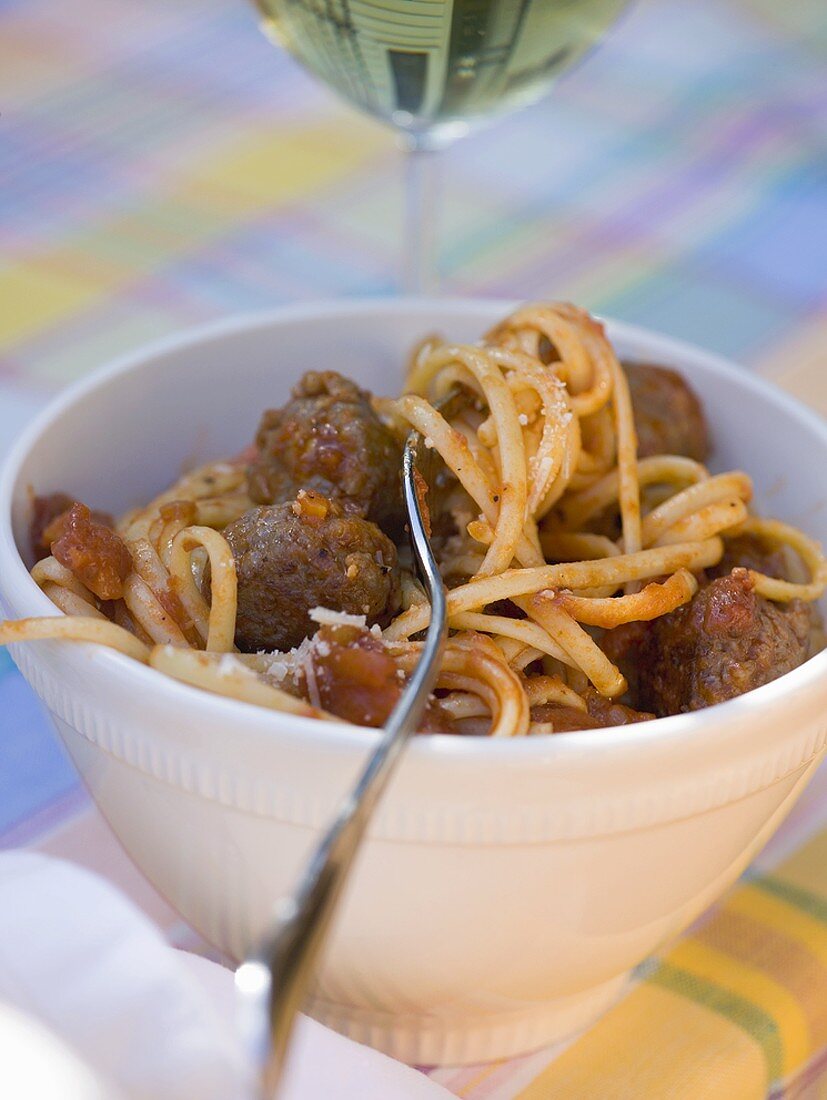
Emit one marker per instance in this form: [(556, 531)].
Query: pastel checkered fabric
[(161, 164)]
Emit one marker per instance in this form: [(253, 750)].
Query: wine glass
[(433, 70)]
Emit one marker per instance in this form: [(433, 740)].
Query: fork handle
[(272, 983)]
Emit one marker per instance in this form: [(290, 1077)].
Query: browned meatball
[(749, 552), (295, 556), (727, 640), (329, 439), (669, 417)]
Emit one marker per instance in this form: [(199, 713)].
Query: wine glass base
[(428, 137)]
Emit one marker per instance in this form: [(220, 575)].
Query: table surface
[(162, 165)]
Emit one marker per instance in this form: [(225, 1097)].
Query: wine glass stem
[(420, 273)]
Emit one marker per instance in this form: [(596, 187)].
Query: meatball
[(750, 552), (727, 640), (669, 417), (292, 557), (329, 439)]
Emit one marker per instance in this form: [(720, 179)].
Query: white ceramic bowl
[(507, 888)]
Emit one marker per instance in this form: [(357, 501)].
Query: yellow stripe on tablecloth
[(252, 175), (779, 957), (33, 296), (631, 1054), (790, 921), (807, 871), (706, 1023), (263, 170)]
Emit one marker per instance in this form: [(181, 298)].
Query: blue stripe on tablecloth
[(700, 306), (34, 769), (781, 243)]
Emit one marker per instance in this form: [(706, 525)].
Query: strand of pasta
[(150, 614), (510, 514), (148, 566), (598, 448), (78, 628), (472, 666), (50, 571), (511, 648), (551, 689), (224, 674), (567, 546), (777, 533), (582, 649), (223, 584), (455, 452), (491, 430), (562, 325), (579, 508), (464, 704), (690, 500), (70, 603), (656, 599), (526, 656), (712, 519), (216, 479), (520, 630), (482, 456), (546, 429), (572, 575), (629, 486), (539, 690), (173, 519), (554, 460)]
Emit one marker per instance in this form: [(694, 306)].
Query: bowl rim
[(13, 569)]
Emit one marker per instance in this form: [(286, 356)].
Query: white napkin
[(153, 1023)]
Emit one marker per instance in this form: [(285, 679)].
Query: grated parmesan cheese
[(324, 616), (229, 665), (282, 665), (279, 669)]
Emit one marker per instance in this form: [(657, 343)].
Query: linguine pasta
[(537, 447)]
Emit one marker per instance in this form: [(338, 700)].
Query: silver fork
[(271, 984)]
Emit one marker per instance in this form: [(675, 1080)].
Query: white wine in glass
[(434, 68)]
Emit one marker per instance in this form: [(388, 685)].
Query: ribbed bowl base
[(465, 1040)]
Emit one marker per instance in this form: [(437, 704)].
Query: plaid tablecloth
[(161, 164)]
